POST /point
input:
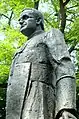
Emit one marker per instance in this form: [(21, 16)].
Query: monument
[(41, 83)]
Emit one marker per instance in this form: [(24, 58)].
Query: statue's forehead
[(27, 12)]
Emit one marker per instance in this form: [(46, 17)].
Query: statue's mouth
[(23, 25)]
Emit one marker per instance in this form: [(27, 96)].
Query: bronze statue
[(41, 83)]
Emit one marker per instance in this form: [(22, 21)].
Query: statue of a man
[(41, 83)]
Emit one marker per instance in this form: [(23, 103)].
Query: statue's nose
[(20, 21)]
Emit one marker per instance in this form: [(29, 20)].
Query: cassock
[(41, 82)]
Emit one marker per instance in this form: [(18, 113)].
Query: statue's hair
[(37, 14)]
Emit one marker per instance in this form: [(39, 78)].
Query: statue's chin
[(27, 32), (24, 31)]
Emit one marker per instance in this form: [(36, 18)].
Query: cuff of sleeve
[(72, 111)]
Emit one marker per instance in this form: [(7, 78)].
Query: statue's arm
[(65, 80), (65, 89)]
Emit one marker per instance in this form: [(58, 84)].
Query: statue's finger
[(71, 116)]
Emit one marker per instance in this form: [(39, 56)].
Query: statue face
[(27, 22)]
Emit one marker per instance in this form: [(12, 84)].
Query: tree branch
[(70, 20), (73, 6), (9, 18), (48, 22), (62, 16), (72, 47), (76, 49), (4, 16), (9, 22), (36, 4), (66, 2)]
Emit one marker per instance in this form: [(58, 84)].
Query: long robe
[(41, 81)]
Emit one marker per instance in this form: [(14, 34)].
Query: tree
[(61, 14)]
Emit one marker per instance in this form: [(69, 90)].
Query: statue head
[(31, 20)]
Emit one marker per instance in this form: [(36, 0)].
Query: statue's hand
[(67, 115)]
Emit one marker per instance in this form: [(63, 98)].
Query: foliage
[(13, 39), (8, 46)]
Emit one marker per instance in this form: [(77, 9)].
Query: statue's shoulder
[(54, 32), (56, 35)]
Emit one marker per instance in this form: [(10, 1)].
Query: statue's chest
[(33, 52)]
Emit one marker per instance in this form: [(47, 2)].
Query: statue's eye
[(25, 17)]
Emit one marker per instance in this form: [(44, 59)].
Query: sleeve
[(65, 81), (65, 86)]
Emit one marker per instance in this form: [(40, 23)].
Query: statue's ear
[(38, 21)]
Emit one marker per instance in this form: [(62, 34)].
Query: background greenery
[(61, 14)]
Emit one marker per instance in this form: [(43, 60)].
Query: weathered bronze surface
[(41, 84)]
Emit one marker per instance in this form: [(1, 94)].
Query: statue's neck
[(37, 32)]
